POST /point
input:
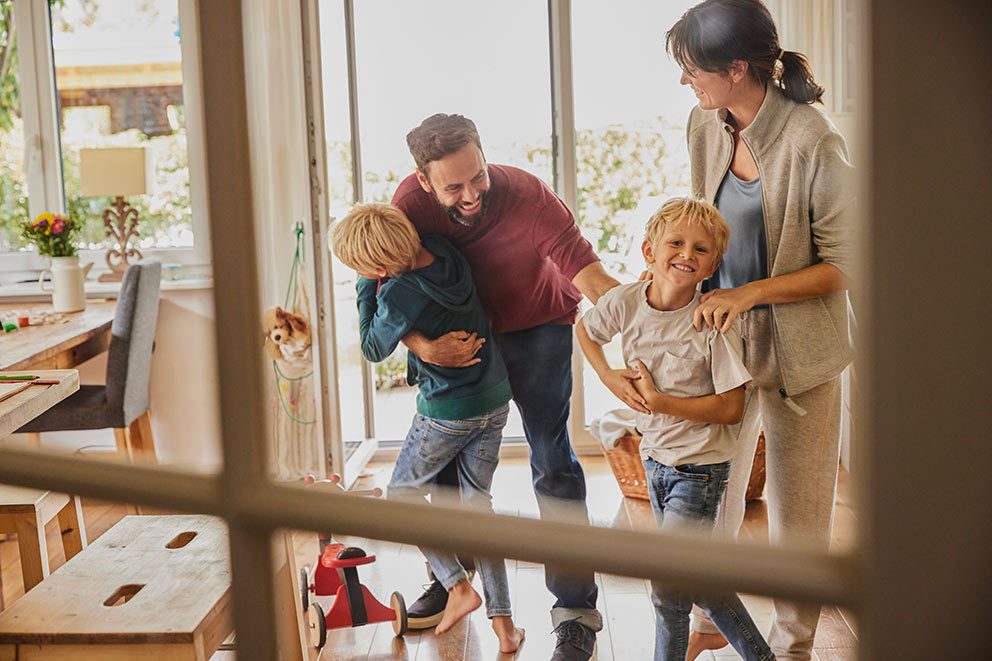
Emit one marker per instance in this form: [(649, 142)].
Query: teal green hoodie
[(434, 300)]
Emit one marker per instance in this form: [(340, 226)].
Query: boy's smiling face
[(684, 256)]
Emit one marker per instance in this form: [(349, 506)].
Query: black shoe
[(427, 611), (576, 642)]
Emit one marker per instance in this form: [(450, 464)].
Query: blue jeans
[(539, 364), (686, 498), (472, 446)]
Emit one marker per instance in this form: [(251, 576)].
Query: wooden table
[(31, 402), (151, 587), (57, 346)]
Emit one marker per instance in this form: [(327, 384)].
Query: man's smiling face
[(459, 182)]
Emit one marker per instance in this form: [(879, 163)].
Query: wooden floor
[(628, 633)]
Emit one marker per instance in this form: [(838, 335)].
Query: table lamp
[(117, 172)]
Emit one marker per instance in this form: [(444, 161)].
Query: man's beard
[(469, 221)]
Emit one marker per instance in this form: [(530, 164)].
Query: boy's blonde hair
[(373, 236), (680, 210)]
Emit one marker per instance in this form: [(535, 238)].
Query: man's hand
[(454, 349), (621, 384)]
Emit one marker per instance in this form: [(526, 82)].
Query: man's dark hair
[(440, 135)]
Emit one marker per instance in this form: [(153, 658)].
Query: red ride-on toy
[(336, 575)]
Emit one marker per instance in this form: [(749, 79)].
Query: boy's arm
[(618, 381), (380, 329), (726, 408)]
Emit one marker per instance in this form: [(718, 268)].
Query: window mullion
[(39, 107)]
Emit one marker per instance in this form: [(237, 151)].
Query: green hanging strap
[(290, 290)]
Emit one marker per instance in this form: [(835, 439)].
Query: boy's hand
[(644, 384), (621, 384), (454, 349)]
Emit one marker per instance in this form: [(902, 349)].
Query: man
[(530, 264)]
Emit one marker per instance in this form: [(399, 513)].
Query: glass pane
[(508, 97), (119, 79), (337, 132), (13, 182), (630, 114)]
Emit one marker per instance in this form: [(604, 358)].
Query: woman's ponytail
[(796, 81)]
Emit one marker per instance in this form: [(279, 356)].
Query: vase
[(66, 283)]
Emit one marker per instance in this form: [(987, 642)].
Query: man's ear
[(648, 251), (425, 183)]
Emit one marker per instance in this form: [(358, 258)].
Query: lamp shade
[(115, 171)]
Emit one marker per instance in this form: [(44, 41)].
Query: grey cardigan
[(808, 203)]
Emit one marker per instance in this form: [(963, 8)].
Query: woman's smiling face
[(712, 90)]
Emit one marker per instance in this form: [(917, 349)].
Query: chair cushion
[(85, 409)]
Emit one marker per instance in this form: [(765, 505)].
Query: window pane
[(13, 182), (630, 114), (119, 80), (405, 76)]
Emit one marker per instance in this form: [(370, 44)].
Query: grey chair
[(121, 404)]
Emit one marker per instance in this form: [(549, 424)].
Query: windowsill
[(30, 292)]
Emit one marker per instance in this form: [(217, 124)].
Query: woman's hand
[(720, 307), (621, 383)]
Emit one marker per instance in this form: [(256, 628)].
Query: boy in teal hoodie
[(408, 284)]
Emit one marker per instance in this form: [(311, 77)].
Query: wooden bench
[(152, 587)]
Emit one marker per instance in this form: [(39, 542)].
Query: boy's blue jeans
[(686, 498), (472, 445)]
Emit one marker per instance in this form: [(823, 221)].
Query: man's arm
[(454, 349), (593, 281)]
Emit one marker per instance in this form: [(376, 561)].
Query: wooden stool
[(26, 512), (151, 587)]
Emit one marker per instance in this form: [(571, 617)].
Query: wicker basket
[(625, 460)]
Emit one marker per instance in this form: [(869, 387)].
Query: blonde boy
[(413, 284), (691, 386)]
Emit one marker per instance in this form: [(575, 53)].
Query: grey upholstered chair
[(121, 404)]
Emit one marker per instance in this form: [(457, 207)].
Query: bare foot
[(510, 637), (700, 642), (462, 600)]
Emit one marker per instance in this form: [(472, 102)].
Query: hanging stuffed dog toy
[(287, 336)]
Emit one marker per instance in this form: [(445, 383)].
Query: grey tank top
[(746, 259)]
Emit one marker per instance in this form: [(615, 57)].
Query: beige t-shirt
[(682, 362)]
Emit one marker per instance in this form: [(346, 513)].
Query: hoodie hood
[(448, 280)]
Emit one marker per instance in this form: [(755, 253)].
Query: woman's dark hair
[(714, 33)]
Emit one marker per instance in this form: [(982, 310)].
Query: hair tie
[(781, 52)]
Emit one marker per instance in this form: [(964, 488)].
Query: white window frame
[(42, 136)]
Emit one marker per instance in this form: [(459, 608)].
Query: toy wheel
[(316, 625), (398, 604), (304, 589)]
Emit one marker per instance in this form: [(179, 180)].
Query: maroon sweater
[(523, 253)]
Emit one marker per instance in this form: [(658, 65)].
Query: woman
[(778, 171)]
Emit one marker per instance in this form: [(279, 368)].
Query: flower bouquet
[(54, 234)]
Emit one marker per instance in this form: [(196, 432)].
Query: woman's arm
[(719, 308)]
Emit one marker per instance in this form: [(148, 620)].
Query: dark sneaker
[(427, 611), (576, 642)]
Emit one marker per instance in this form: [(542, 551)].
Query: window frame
[(42, 135)]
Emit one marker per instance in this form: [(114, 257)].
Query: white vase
[(66, 283)]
